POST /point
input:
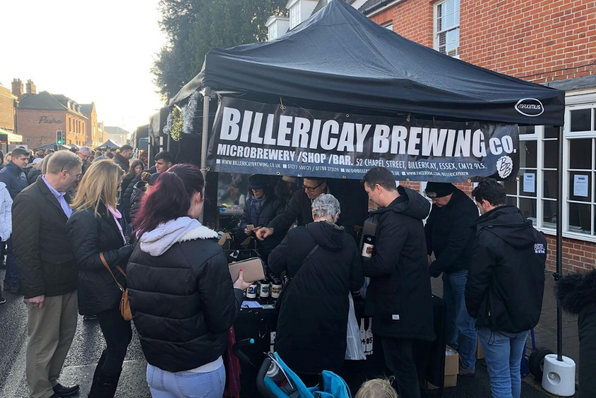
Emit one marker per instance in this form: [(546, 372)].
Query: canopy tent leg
[(205, 136), (559, 260)]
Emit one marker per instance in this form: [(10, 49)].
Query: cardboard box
[(451, 369), (479, 352)]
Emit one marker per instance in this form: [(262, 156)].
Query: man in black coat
[(505, 285), (14, 177), (298, 209), (399, 296), (262, 207), (449, 235), (48, 272)]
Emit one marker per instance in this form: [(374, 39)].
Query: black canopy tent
[(339, 59), (109, 144)]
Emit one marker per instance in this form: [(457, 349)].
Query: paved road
[(88, 344)]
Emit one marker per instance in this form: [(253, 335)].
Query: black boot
[(107, 384), (94, 386)]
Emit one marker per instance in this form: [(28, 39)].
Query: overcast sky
[(90, 51)]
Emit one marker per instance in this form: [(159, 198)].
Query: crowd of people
[(89, 226)]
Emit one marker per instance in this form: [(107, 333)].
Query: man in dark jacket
[(298, 209), (505, 285), (262, 207), (449, 235), (14, 177), (121, 158), (48, 272), (399, 296), (163, 161)]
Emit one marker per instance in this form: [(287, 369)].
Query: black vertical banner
[(250, 137)]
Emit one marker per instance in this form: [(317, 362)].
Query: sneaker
[(467, 372), (2, 300)]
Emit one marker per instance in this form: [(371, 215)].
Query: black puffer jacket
[(399, 295), (90, 235), (506, 277), (271, 208), (41, 246), (313, 318), (449, 234), (183, 301), (577, 295)]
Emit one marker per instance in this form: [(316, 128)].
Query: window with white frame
[(447, 27), (580, 142), (535, 189), (273, 31), (295, 15)]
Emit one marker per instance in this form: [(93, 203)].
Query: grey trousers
[(51, 330)]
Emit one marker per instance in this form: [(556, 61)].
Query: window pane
[(549, 213), (526, 129), (551, 132), (580, 154), (580, 120), (529, 154), (550, 184), (510, 187), (579, 218), (551, 156), (528, 208), (580, 186)]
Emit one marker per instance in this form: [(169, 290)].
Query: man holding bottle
[(399, 296)]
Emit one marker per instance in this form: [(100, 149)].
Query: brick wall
[(39, 126), (539, 40), (578, 256), (412, 19)]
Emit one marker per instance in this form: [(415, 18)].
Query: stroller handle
[(265, 392), (236, 350)]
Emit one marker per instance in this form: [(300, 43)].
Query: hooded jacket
[(126, 195), (506, 277), (135, 200), (181, 295), (399, 296), (313, 317), (577, 295), (449, 234), (5, 213)]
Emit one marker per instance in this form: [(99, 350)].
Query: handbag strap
[(105, 264), (314, 249)]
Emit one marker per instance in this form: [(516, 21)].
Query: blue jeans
[(186, 384), (11, 278), (459, 325), (503, 353)]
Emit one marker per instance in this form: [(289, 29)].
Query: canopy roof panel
[(340, 56)]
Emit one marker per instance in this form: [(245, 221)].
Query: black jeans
[(400, 360), (117, 334)]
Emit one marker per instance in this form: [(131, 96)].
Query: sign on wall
[(250, 137)]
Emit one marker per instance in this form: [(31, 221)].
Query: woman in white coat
[(5, 220)]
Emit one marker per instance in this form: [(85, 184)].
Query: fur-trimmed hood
[(182, 229), (577, 291)]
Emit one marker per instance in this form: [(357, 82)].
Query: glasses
[(312, 189)]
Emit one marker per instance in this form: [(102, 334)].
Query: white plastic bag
[(354, 349)]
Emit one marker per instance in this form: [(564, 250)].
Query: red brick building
[(40, 115), (8, 103), (93, 135), (548, 42)]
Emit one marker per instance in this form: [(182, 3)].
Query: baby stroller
[(276, 380)]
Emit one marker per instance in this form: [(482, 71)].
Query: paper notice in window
[(580, 185), (530, 182)]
